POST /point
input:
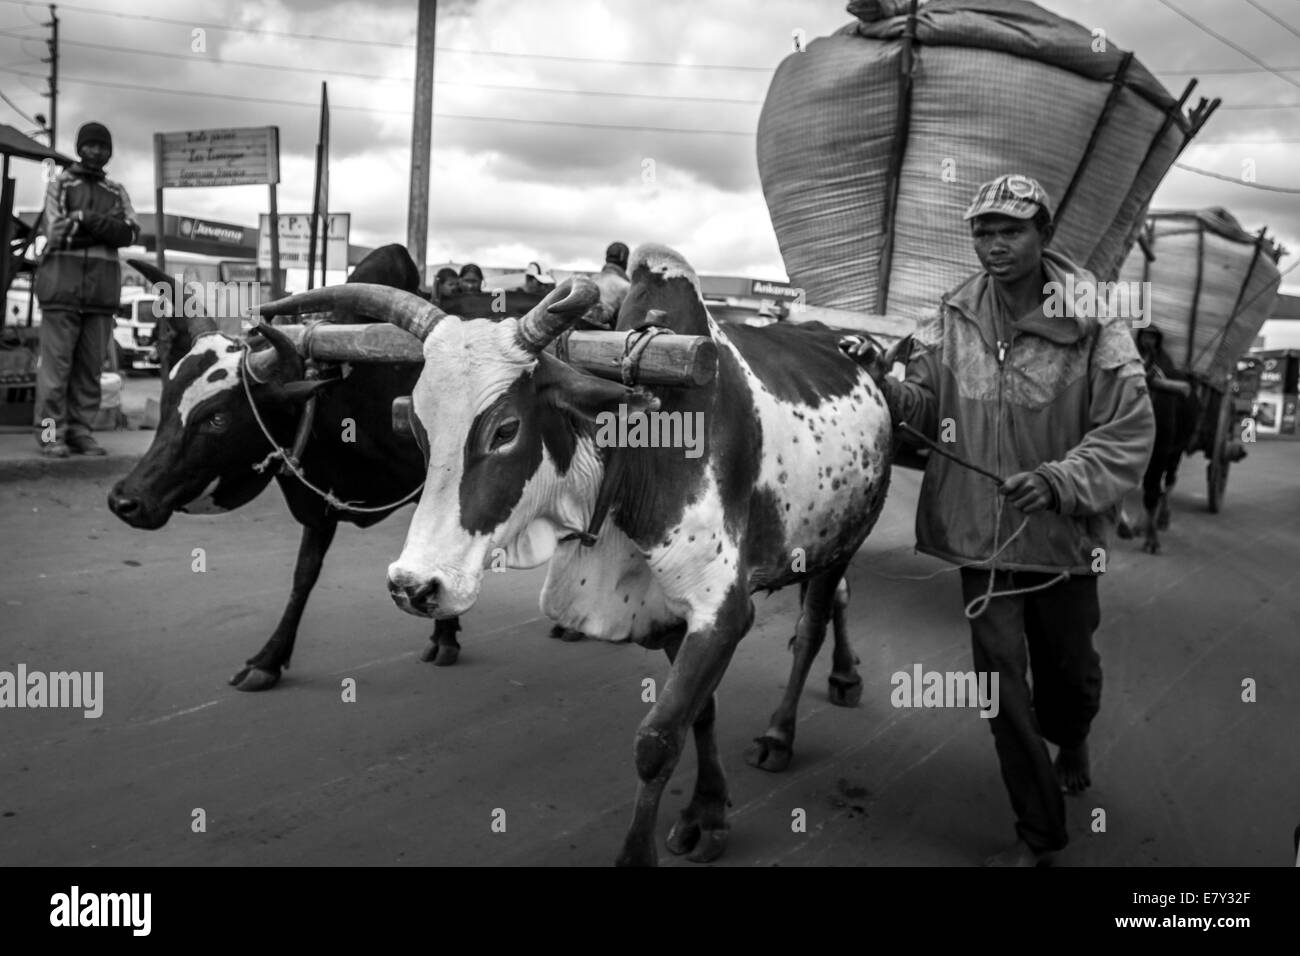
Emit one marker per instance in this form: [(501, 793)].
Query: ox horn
[(195, 325), (380, 303), (264, 363), (563, 306)]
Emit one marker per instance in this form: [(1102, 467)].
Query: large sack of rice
[(996, 86), (1212, 286)]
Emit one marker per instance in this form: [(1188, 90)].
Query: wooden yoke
[(670, 360)]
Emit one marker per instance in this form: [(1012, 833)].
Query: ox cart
[(1211, 287)]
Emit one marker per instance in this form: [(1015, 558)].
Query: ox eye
[(217, 421), (505, 433)]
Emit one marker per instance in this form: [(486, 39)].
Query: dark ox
[(792, 477), (1176, 409), (203, 455)]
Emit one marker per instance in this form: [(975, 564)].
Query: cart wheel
[(1216, 472)]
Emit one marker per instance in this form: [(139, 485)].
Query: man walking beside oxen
[(1057, 404)]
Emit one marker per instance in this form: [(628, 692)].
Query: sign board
[(238, 271), (240, 156), (295, 240), (761, 289), (188, 228)]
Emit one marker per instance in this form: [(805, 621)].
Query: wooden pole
[(671, 360), (162, 330), (417, 224), (276, 291)]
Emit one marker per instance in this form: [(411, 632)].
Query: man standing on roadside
[(1057, 404), (79, 284)]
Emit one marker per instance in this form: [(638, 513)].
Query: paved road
[(412, 772)]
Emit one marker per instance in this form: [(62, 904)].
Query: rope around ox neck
[(279, 452)]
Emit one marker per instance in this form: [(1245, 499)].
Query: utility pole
[(417, 222), (53, 61)]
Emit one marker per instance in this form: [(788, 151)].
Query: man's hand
[(1028, 491), (867, 355)]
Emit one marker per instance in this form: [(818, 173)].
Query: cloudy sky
[(546, 112)]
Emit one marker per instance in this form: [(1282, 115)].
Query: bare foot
[(1073, 770), (1021, 853)]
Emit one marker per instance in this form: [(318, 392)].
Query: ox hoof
[(701, 844), (637, 857), (440, 655), (1151, 547), (768, 753), (1124, 530), (567, 634), (255, 678), (844, 691)]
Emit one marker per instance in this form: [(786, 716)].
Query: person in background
[(471, 278), (613, 283), (537, 282), (1057, 404), (445, 284), (79, 284)]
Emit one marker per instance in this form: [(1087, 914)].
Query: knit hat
[(617, 254), (94, 133)]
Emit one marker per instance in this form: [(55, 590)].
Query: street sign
[(295, 240), (241, 156)]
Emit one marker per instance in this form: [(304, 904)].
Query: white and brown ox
[(790, 479)]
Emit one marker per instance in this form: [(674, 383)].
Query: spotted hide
[(203, 455), (791, 477)]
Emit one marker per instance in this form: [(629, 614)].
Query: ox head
[(507, 429), (207, 441)]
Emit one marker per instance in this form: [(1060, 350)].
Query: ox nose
[(411, 593), (124, 506)]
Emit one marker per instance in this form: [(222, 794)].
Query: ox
[(203, 455), (1176, 411), (793, 474)]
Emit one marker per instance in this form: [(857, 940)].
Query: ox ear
[(297, 392), (586, 396)]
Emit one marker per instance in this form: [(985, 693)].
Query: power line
[(1233, 179), (193, 58), (15, 108), (1274, 17), (1229, 71), (366, 109), (263, 31), (1224, 40)]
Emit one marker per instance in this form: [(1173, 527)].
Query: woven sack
[(1212, 286), (997, 86)]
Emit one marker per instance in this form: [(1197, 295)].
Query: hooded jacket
[(1064, 396), (88, 218)]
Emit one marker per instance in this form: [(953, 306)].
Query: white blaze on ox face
[(468, 366), (222, 376)]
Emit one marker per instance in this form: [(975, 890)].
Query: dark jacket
[(88, 217), (1067, 400)]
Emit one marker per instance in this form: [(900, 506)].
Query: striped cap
[(1011, 194)]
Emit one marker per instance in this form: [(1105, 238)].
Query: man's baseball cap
[(1012, 194), (536, 272)]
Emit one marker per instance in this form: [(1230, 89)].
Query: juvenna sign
[(244, 156)]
